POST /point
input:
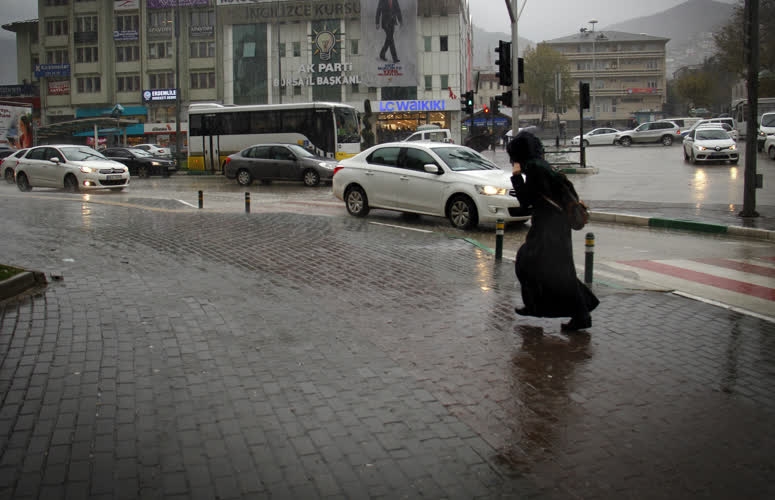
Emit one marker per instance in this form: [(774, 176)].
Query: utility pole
[(751, 48), (178, 137), (514, 13)]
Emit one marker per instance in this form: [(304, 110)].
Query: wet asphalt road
[(190, 353)]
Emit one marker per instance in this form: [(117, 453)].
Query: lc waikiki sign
[(418, 105)]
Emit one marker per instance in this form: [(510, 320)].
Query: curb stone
[(20, 283)]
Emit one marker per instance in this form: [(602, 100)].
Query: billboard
[(16, 126), (389, 36)]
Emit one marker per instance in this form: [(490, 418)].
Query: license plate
[(114, 177)]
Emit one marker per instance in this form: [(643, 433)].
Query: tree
[(696, 87), (730, 39), (542, 64)]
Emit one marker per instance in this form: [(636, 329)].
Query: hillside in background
[(689, 26)]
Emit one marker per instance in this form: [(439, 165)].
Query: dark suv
[(141, 163), (664, 132)]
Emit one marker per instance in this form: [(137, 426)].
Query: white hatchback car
[(439, 179), (710, 144), (70, 167), (597, 137), (155, 150)]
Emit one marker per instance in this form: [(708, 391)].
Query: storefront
[(396, 120)]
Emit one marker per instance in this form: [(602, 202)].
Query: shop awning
[(83, 126)]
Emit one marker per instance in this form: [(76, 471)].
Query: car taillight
[(227, 161), (338, 168), (678, 132)]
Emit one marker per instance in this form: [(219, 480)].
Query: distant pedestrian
[(544, 264)]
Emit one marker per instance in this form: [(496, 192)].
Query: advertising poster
[(389, 37), (16, 126)]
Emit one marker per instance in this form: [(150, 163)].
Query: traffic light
[(467, 102), (584, 95), (504, 73), (494, 105), (504, 98), (486, 110)]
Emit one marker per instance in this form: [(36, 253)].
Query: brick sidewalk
[(195, 355)]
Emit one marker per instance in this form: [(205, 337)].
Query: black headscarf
[(525, 147)]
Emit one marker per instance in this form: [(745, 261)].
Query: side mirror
[(432, 169), (54, 159)]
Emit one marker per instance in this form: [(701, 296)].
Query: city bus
[(740, 112), (215, 131)]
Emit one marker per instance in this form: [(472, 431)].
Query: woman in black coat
[(544, 265)]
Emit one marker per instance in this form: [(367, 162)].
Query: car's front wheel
[(8, 174), (686, 156), (71, 184), (625, 141), (22, 182), (311, 178), (586, 143), (462, 212), (667, 140), (142, 172), (693, 159), (771, 152), (244, 178), (356, 201)]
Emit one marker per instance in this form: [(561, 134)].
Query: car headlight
[(733, 147), (326, 165), (492, 190), (155, 164), (701, 148), (88, 170)]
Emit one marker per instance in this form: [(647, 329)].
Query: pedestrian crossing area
[(744, 284)]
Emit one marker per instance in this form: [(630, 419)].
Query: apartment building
[(626, 73), (155, 57)]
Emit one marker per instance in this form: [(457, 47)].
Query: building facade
[(155, 57), (626, 73)]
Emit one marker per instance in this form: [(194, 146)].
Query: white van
[(431, 135), (685, 122)]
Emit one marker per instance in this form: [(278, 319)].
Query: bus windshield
[(347, 125)]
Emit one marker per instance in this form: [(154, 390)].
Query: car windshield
[(712, 134), (768, 120), (300, 151), (462, 158), (81, 153), (140, 152)]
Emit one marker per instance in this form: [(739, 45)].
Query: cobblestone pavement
[(190, 354)]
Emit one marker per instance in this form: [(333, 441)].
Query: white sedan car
[(70, 167), (155, 150), (597, 137), (710, 144), (444, 180)]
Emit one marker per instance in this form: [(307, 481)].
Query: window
[(385, 156), (51, 3), (127, 83), (444, 81), (125, 53), (160, 18), (127, 23), (428, 43), (202, 49), (652, 84), (204, 80), (296, 49), (281, 49), (86, 54), (57, 57), (86, 24), (355, 88), (159, 50), (161, 80), (354, 47), (428, 82), (297, 90), (89, 84), (416, 159), (444, 43), (203, 17), (56, 27)]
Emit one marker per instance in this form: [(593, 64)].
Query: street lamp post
[(592, 91), (178, 137)]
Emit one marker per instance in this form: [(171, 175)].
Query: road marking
[(401, 227)]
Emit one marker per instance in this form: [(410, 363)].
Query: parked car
[(596, 137), (710, 144), (141, 163), (712, 121), (6, 151), (432, 135), (660, 131), (8, 165), (431, 178), (278, 162), (729, 130), (70, 167), (155, 150), (769, 146)]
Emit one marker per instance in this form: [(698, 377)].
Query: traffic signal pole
[(514, 14)]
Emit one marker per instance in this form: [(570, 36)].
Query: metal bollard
[(499, 238), (201, 199), (247, 203), (589, 254)]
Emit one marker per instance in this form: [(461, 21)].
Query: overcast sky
[(541, 19)]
